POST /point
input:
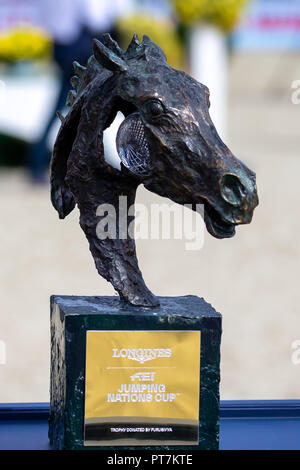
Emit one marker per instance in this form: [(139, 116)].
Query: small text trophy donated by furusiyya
[(138, 370)]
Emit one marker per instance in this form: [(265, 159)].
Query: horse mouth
[(216, 225)]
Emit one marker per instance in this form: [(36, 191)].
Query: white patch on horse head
[(109, 141)]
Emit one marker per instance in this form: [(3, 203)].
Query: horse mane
[(96, 63)]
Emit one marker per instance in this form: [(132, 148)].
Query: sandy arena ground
[(252, 279)]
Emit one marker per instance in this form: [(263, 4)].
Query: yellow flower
[(24, 43), (222, 13), (190, 11)]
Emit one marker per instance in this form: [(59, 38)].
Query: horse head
[(167, 142)]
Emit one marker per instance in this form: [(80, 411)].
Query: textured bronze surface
[(167, 142)]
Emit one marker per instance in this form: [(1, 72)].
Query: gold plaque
[(142, 388)]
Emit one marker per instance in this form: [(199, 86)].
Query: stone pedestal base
[(71, 319)]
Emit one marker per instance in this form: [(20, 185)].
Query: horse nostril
[(232, 190)]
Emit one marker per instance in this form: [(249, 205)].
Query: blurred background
[(248, 53)]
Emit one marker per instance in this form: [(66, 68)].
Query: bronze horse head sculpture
[(167, 141)]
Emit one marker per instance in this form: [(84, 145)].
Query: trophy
[(138, 370)]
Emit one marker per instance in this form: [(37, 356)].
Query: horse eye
[(154, 108)]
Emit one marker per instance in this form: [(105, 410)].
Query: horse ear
[(154, 49), (111, 44), (133, 45), (108, 58)]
